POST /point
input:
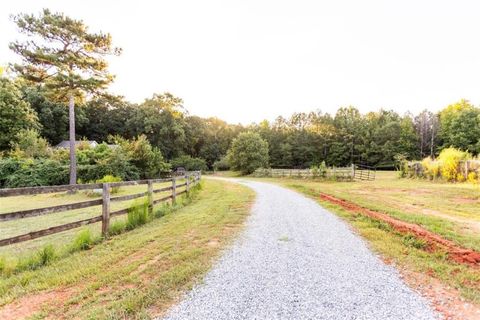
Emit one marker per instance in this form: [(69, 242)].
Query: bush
[(189, 163), (431, 168), (449, 160), (221, 165), (108, 179), (248, 152), (30, 145), (32, 173), (472, 177), (137, 215)]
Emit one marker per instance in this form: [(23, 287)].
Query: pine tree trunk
[(73, 160)]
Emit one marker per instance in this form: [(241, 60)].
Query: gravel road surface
[(296, 260)]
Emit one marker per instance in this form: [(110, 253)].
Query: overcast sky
[(245, 61)]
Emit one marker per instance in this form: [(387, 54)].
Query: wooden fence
[(191, 179), (353, 172), (340, 173)]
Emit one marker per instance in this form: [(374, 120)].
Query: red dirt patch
[(455, 252), (444, 299), (29, 305)]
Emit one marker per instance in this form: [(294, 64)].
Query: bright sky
[(248, 60)]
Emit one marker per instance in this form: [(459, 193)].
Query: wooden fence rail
[(191, 178), (353, 172)]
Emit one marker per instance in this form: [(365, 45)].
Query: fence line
[(355, 171), (191, 177)]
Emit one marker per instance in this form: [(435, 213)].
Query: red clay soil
[(455, 252)]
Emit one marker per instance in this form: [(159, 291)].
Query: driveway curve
[(296, 260)]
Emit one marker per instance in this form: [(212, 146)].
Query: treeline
[(376, 138), (64, 64)]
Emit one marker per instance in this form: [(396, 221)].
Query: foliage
[(116, 227), (221, 165), (16, 173), (30, 145), (62, 55), (431, 168), (16, 114), (319, 171), (248, 152), (109, 178), (137, 215), (83, 241), (449, 163), (472, 177), (460, 126), (189, 163), (147, 159)]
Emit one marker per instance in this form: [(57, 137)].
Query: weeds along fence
[(176, 189)]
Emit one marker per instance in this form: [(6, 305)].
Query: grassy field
[(451, 210), (137, 274), (60, 240)]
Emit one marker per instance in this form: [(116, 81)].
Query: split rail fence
[(191, 179)]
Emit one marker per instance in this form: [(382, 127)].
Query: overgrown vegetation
[(452, 165)]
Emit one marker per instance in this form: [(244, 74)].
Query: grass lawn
[(451, 210), (59, 240), (137, 274)]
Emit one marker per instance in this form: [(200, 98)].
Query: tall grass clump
[(83, 241), (137, 215), (117, 227), (41, 258)]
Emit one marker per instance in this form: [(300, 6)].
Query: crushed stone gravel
[(296, 260)]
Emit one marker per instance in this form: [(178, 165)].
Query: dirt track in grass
[(455, 252)]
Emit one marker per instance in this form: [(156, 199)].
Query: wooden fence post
[(174, 189), (105, 209), (150, 196), (353, 171), (187, 177)]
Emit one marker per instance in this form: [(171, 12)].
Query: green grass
[(136, 274), (63, 239), (410, 200)]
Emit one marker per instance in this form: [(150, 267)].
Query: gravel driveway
[(296, 260)]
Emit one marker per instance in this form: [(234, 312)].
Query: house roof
[(65, 144)]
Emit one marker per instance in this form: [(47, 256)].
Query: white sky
[(245, 61)]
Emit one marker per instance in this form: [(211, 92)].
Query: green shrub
[(221, 165), (109, 178), (117, 227), (83, 241), (33, 173), (189, 163), (248, 152), (137, 215)]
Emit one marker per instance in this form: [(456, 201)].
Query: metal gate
[(363, 172)]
